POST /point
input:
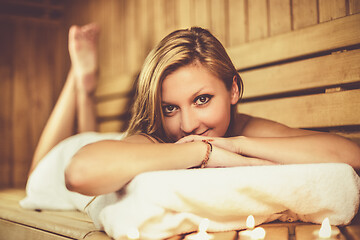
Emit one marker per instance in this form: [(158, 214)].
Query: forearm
[(314, 148), (94, 171)]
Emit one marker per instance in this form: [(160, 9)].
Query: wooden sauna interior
[(34, 59)]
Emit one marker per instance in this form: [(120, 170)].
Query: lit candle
[(133, 234), (326, 232), (251, 233), (201, 234)]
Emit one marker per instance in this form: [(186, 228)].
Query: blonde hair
[(179, 48)]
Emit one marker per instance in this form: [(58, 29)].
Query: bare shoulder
[(260, 127), (140, 138)]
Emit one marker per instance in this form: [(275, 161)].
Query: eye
[(202, 99), (169, 109)]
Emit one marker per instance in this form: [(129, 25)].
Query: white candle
[(326, 232), (251, 233), (201, 234)]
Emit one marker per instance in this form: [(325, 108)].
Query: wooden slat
[(333, 69), (112, 126), (354, 6), (117, 85), (305, 232), (279, 17), (201, 14), (6, 56), (46, 220), (218, 20), (236, 22), (322, 37), (353, 232), (113, 107), (276, 233), (258, 25), (183, 13), (304, 13), (331, 9), (13, 231), (319, 110)]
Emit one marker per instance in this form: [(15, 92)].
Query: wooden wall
[(34, 60)]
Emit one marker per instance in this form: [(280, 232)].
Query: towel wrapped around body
[(165, 203)]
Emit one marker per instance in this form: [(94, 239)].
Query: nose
[(189, 122)]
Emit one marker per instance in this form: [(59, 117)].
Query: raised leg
[(76, 101)]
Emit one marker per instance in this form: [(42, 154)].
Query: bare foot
[(83, 53)]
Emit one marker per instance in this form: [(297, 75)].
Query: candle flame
[(325, 230), (250, 222), (133, 233), (204, 224)]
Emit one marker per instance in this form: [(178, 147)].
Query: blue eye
[(202, 99)]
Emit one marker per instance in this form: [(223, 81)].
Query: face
[(194, 101)]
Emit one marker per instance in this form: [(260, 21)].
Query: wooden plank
[(338, 33), (21, 130), (276, 233), (115, 85), (279, 17), (331, 9), (131, 40), (232, 235), (45, 220), (258, 19), (112, 126), (319, 110), (353, 232), (334, 69), (354, 6), (183, 13), (13, 231), (6, 58), (305, 232), (218, 20), (237, 22), (113, 107), (304, 13), (201, 13)]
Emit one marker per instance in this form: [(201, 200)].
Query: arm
[(275, 142), (106, 166)]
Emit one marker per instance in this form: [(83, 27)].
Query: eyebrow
[(192, 96)]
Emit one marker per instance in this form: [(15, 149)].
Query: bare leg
[(76, 99)]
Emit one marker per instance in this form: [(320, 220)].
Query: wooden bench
[(308, 78)]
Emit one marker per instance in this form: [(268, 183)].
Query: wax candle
[(201, 234), (326, 232), (251, 233)]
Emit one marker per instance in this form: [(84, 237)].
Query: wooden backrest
[(306, 78)]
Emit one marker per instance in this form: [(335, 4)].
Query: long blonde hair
[(179, 48)]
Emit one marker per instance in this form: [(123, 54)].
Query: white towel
[(165, 203)]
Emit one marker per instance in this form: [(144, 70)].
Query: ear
[(234, 93)]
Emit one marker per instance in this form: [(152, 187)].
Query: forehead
[(189, 80)]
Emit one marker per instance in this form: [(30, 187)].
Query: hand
[(231, 144)]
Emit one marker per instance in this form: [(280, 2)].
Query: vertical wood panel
[(280, 18), (22, 145), (130, 36), (6, 58), (218, 20), (237, 21), (305, 13), (202, 13), (183, 13), (331, 9), (258, 23), (354, 6)]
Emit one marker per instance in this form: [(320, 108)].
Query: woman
[(186, 97)]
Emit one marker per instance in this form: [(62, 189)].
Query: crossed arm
[(107, 166)]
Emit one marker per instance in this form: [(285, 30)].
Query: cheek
[(218, 117), (171, 126)]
